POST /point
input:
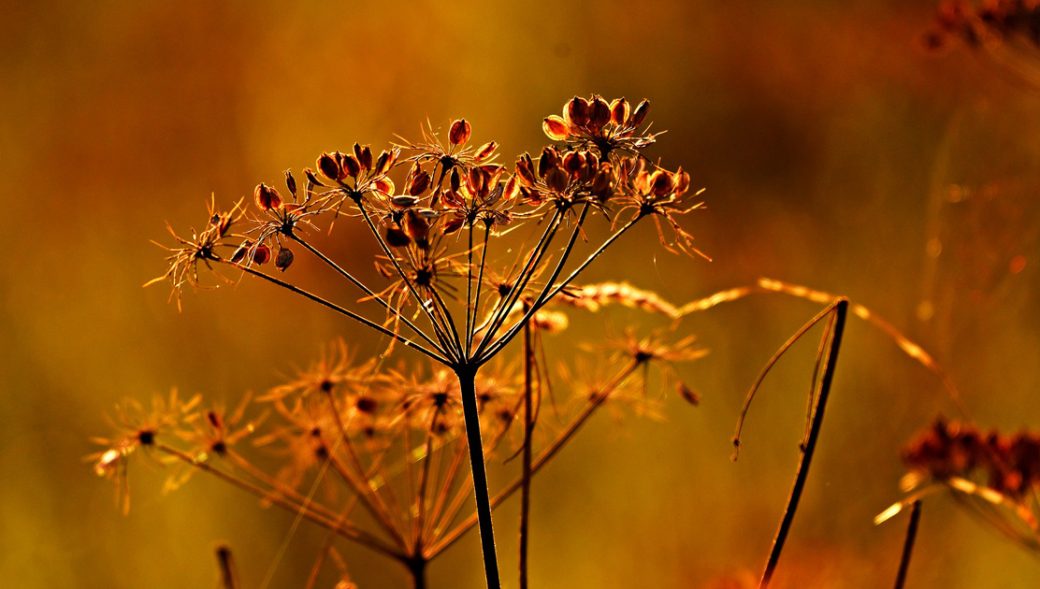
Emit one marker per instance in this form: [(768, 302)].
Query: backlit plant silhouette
[(471, 252)]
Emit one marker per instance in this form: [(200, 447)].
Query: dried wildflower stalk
[(455, 205)]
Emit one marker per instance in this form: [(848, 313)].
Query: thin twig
[(840, 308), (908, 544)]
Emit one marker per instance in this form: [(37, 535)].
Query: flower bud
[(267, 197), (459, 132), (555, 128)]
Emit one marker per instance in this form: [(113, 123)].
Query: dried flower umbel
[(438, 235), (996, 476), (1006, 32), (373, 453)]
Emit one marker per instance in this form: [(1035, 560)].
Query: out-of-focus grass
[(821, 131)]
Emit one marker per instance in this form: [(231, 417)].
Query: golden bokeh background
[(835, 150)]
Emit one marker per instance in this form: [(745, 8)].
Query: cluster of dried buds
[(1010, 464), (975, 24)]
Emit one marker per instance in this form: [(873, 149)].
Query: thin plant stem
[(543, 458), (505, 304), (404, 277), (470, 311), (228, 571), (368, 496), (345, 312), (471, 330), (551, 291), (342, 528), (467, 384), (365, 289), (840, 309), (424, 479), (908, 544)]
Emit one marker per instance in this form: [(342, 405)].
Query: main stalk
[(467, 382)]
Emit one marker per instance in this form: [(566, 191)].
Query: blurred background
[(836, 152)]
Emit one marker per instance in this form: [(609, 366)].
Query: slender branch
[(505, 304), (908, 544), (551, 291), (840, 309), (228, 570), (350, 277), (365, 493), (347, 531), (543, 458), (470, 311), (404, 277), (769, 366), (485, 353), (346, 312), (471, 330)]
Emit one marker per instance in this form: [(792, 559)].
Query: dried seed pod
[(329, 167), (261, 254), (240, 253), (576, 112), (383, 163), (419, 181), (682, 181), (284, 259), (363, 156), (383, 186), (459, 132), (556, 179), (555, 128), (602, 183), (455, 181), (417, 227), (351, 166), (485, 151), (548, 160), (599, 113), (525, 170), (574, 162), (661, 183), (689, 395), (404, 201), (619, 111), (639, 114), (396, 237), (267, 197), (290, 183)]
